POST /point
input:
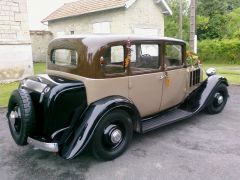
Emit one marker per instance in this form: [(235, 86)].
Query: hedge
[(226, 51)]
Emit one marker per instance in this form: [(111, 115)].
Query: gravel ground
[(203, 147)]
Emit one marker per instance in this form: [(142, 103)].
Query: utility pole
[(193, 38), (180, 20)]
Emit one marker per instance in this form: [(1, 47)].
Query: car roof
[(107, 38)]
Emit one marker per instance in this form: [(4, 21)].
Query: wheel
[(20, 116), (112, 135), (218, 100)]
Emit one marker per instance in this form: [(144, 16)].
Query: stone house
[(40, 41), (109, 16), (15, 44)]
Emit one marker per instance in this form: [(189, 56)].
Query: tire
[(106, 143), (217, 100), (20, 116)]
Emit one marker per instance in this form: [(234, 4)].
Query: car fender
[(198, 99), (83, 132)]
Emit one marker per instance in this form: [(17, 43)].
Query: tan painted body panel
[(145, 91), (99, 88), (174, 88)]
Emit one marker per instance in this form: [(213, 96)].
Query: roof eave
[(166, 9), (53, 19)]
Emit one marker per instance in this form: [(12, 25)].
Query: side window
[(64, 57), (173, 55), (144, 57), (114, 60)]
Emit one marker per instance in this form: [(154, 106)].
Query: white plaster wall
[(15, 62), (15, 44), (142, 14)]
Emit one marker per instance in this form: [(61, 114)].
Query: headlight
[(211, 71)]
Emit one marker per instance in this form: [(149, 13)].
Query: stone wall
[(142, 14), (40, 41), (15, 44)]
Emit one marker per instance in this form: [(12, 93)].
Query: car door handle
[(162, 77)]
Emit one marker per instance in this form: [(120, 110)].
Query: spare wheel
[(20, 116)]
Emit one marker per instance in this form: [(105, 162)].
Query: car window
[(64, 57), (113, 60), (144, 58), (173, 55)]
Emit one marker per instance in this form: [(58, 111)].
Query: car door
[(146, 77), (175, 81)]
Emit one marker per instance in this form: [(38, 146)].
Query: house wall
[(40, 41), (15, 44), (142, 14)]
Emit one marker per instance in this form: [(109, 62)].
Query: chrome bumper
[(51, 147)]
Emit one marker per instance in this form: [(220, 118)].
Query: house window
[(146, 31), (102, 27), (60, 33)]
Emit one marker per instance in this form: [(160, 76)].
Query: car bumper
[(51, 147)]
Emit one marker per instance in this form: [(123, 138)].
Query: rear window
[(64, 57)]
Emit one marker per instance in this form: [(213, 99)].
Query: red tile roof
[(84, 7)]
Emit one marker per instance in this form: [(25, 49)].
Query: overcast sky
[(39, 9)]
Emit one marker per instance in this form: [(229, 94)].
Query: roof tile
[(84, 7)]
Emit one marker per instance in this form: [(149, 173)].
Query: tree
[(233, 25), (210, 8), (172, 22), (212, 18)]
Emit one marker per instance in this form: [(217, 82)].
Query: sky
[(39, 9)]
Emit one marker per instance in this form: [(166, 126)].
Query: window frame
[(66, 66), (160, 57), (100, 24), (183, 51), (122, 74)]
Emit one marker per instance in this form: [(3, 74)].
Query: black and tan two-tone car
[(99, 89)]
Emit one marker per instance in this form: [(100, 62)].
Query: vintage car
[(99, 89)]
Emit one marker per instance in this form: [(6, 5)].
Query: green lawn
[(6, 89), (231, 72), (39, 68)]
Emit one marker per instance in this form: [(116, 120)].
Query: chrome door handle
[(162, 77)]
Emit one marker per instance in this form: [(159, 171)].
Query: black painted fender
[(199, 98), (89, 120)]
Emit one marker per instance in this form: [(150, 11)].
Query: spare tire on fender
[(21, 117)]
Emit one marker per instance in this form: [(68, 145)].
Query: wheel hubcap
[(15, 120), (113, 136), (116, 136), (219, 98)]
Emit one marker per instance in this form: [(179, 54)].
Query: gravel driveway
[(203, 147)]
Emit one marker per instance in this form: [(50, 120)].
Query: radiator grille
[(195, 77)]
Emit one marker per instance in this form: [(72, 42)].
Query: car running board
[(163, 119)]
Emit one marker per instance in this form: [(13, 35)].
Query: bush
[(226, 51)]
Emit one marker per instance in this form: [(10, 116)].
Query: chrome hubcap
[(219, 98), (116, 136), (14, 118)]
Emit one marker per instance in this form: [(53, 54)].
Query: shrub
[(226, 51)]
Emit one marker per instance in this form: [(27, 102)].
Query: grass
[(39, 68), (231, 72), (6, 89), (228, 71)]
